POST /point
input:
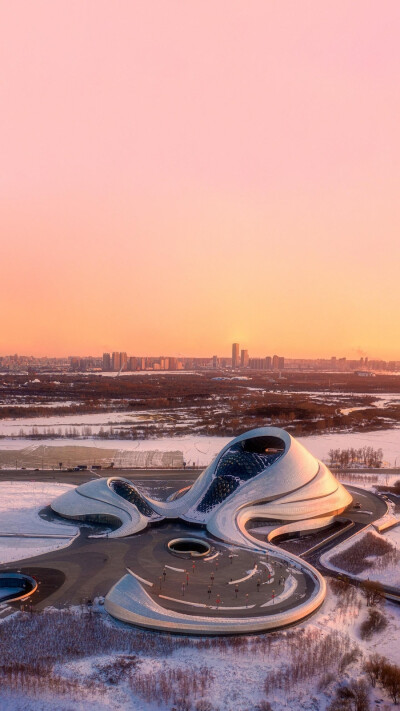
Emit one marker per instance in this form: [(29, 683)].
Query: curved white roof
[(264, 473), (283, 480)]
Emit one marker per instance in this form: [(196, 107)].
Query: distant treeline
[(365, 456)]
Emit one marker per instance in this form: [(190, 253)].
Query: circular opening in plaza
[(189, 547), (15, 586)]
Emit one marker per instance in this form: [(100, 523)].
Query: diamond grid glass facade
[(238, 464), (129, 493)]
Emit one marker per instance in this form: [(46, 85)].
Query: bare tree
[(373, 592)]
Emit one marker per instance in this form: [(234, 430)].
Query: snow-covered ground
[(384, 569), (234, 675), (201, 449), (20, 503), (393, 535), (238, 675), (15, 402), (387, 440), (62, 423), (368, 481), (198, 449)]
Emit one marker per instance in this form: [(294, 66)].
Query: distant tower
[(106, 361), (116, 360), (244, 359), (235, 355), (123, 361), (132, 363)]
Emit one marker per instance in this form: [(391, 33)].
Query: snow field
[(20, 504)]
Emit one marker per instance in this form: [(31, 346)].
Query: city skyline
[(240, 359), (153, 193)]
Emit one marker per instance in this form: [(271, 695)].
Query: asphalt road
[(77, 478), (159, 483)]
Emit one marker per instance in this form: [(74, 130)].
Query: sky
[(176, 176)]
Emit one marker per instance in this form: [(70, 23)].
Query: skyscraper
[(244, 359), (132, 363), (106, 361), (123, 361), (235, 355), (116, 360)]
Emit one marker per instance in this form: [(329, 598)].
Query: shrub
[(355, 559), (373, 592), (390, 680), (325, 680), (380, 671), (352, 697), (204, 705), (373, 667), (375, 622), (348, 658), (311, 654)]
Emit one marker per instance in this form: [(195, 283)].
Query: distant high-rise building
[(123, 361), (215, 362), (132, 363), (75, 364), (260, 363), (235, 355), (278, 362), (106, 362), (244, 359), (256, 363), (116, 360)]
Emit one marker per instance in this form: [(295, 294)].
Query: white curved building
[(264, 473)]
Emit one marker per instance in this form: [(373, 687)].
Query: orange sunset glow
[(178, 176)]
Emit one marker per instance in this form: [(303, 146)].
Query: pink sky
[(176, 175)]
